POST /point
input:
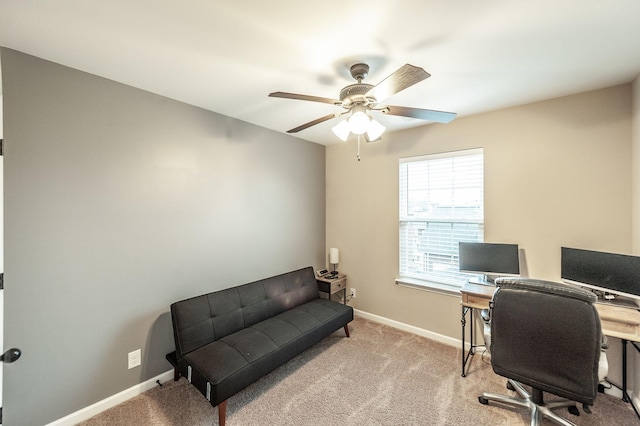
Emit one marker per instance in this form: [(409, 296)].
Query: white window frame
[(466, 221)]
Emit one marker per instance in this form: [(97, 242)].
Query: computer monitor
[(610, 273), (489, 259)]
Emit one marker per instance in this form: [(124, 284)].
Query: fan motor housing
[(355, 93)]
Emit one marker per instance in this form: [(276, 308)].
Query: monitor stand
[(481, 281), (621, 301)]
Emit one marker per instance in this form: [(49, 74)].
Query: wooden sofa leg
[(222, 412), (176, 374), (346, 330)]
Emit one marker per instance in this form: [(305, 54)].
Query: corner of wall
[(635, 166), (635, 210)]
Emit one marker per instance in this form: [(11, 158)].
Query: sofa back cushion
[(203, 319)]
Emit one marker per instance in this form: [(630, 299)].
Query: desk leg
[(625, 398), (472, 344), (463, 321), (625, 395), (471, 339), (634, 344)]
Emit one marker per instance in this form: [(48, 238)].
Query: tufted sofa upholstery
[(230, 338)]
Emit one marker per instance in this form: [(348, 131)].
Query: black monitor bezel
[(613, 273), (491, 270)]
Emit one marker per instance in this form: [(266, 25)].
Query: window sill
[(446, 289)]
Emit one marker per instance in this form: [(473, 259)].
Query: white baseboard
[(614, 392), (635, 400), (409, 328), (617, 393), (112, 401)]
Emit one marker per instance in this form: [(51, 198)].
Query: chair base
[(534, 403)]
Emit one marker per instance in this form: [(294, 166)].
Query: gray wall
[(119, 202)]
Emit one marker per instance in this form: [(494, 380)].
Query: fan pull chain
[(358, 147)]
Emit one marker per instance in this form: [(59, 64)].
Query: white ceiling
[(227, 56)]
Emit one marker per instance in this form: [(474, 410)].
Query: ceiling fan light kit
[(359, 120), (375, 131), (342, 130), (360, 98), (359, 123)]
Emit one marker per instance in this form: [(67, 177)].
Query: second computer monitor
[(490, 260)]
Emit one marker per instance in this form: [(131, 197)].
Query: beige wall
[(634, 356), (557, 173), (636, 167)]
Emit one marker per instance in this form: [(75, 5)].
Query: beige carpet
[(379, 376)]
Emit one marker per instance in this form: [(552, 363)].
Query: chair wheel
[(510, 386), (574, 410), (483, 401)]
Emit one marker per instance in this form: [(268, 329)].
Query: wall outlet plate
[(135, 358)]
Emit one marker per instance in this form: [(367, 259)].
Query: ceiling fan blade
[(304, 98), (405, 76), (422, 114), (313, 123)]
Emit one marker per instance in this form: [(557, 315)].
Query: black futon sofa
[(230, 338)]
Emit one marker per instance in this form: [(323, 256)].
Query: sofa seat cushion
[(278, 330), (256, 350)]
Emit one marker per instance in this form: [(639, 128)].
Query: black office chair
[(548, 336)]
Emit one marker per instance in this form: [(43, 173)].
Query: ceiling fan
[(360, 98)]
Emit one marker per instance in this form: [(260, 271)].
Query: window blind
[(441, 203)]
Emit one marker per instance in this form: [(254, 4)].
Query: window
[(441, 203)]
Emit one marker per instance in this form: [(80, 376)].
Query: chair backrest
[(546, 335)]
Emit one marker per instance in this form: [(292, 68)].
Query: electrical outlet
[(135, 359), (353, 293)]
